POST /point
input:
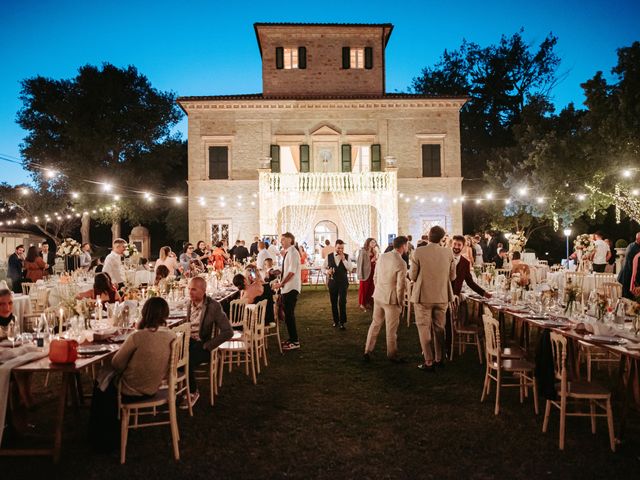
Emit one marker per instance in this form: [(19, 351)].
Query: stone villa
[(323, 151)]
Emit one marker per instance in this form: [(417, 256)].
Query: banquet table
[(71, 372), (628, 347)]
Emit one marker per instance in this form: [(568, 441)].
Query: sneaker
[(397, 360), (342, 326), (439, 364), (334, 324), (291, 346), (191, 397), (366, 357)]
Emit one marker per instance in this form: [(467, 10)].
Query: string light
[(581, 197), (50, 173), (116, 197), (522, 191), (25, 191), (178, 200), (489, 196), (75, 195), (107, 187), (626, 173)]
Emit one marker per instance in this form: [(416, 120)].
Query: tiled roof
[(260, 96)]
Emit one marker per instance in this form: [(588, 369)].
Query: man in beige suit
[(389, 279), (433, 268)]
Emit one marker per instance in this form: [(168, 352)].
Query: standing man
[(290, 286), (85, 256), (338, 267), (210, 328), (48, 256), (624, 277), (463, 270), (600, 253), (241, 252), (253, 249), (15, 269), (390, 279), (433, 268), (263, 254), (113, 262)]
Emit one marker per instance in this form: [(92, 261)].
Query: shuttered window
[(431, 161), (346, 158), (346, 57), (279, 58), (275, 158), (302, 57), (376, 158), (368, 58), (218, 163), (304, 158)]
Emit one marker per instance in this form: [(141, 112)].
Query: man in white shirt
[(263, 254), (600, 254), (290, 286), (274, 252), (113, 262)]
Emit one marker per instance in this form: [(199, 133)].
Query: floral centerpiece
[(69, 248), (517, 241), (584, 244), (130, 250)]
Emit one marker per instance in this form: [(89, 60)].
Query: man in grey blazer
[(433, 268), (390, 279)]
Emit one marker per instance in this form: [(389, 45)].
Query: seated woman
[(103, 289), (34, 265), (168, 259), (254, 289), (162, 273), (144, 356), (250, 286), (521, 268)]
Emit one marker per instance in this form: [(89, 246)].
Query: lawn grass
[(321, 412)]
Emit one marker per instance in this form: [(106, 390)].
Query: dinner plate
[(610, 339), (94, 349)]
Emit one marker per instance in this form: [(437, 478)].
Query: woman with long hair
[(162, 272), (467, 250), (34, 265), (367, 258), (143, 358), (168, 259), (103, 290)]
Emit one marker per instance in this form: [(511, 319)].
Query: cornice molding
[(200, 105)]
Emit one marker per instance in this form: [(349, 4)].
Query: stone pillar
[(140, 237)]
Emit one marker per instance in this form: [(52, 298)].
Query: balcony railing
[(328, 182)]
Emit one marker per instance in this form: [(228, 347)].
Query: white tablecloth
[(557, 280), (21, 306)]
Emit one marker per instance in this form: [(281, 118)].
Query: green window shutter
[(368, 58), (279, 58), (218, 163), (431, 161), (346, 57), (304, 158), (376, 158), (302, 57), (275, 158), (346, 158)]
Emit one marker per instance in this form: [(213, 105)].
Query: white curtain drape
[(355, 214)]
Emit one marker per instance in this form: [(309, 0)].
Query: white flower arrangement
[(584, 243), (69, 248), (130, 250), (517, 241)]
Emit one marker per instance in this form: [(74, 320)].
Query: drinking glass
[(11, 333)]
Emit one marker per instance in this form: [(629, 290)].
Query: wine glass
[(11, 333)]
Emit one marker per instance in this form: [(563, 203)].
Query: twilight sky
[(201, 47)]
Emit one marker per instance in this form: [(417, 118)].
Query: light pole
[(567, 233)]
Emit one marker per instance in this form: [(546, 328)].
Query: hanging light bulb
[(540, 200), (178, 200), (489, 196), (107, 187), (522, 191), (75, 195)]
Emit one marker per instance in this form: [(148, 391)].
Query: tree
[(104, 125), (51, 214), (500, 81), (572, 163)]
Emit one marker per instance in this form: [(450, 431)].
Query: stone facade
[(249, 124), (324, 73)]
